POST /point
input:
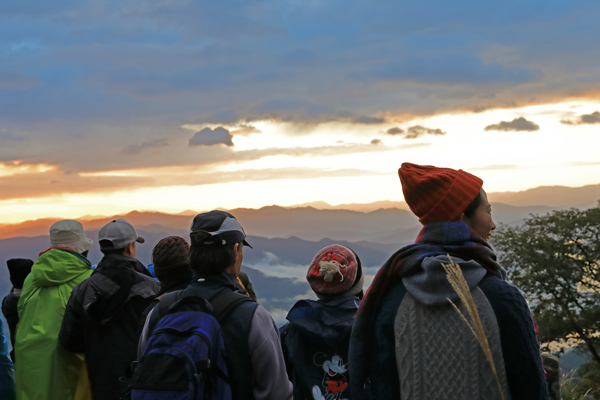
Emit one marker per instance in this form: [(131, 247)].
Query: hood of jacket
[(324, 320), (56, 266), (114, 282), (430, 286)]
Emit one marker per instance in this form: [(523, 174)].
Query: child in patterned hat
[(315, 341)]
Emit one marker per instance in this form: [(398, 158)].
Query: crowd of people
[(119, 331)]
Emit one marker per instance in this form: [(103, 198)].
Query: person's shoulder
[(495, 286), (504, 297), (260, 314)]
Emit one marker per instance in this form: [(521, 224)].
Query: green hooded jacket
[(44, 370)]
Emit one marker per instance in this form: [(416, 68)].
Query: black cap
[(19, 268), (216, 228)]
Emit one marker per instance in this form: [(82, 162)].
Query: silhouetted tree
[(555, 260)]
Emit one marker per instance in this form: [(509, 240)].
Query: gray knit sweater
[(438, 356)]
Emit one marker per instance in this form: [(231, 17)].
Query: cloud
[(376, 141), (450, 69), (49, 183), (77, 78), (584, 163), (364, 119), (10, 79), (395, 131), (146, 144), (495, 167), (210, 137), (245, 130), (517, 124), (6, 135), (418, 130), (593, 118)]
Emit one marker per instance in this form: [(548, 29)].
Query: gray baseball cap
[(119, 233)]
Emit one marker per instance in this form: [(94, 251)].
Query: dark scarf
[(437, 238)]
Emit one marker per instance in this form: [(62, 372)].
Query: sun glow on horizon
[(336, 162)]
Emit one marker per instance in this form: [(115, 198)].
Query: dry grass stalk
[(459, 284)]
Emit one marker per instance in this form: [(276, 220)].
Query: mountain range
[(285, 239)]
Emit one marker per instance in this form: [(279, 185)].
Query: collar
[(122, 261), (221, 279)]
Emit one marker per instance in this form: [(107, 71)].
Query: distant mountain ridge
[(549, 196), (284, 239)]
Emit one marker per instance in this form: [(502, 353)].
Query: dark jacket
[(177, 279), (315, 346), (9, 309), (102, 319)]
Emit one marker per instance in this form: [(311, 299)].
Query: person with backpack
[(171, 268), (102, 318), (45, 370), (315, 341), (251, 365), (408, 342)]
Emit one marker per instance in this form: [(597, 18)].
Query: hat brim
[(140, 239), (247, 244)]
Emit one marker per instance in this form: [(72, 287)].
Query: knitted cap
[(18, 269), (334, 271), (169, 253), (437, 194)]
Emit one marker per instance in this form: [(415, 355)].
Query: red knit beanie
[(334, 271), (437, 194)]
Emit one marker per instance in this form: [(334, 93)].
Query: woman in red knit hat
[(408, 342)]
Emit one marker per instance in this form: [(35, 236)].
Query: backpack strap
[(166, 300), (225, 302)]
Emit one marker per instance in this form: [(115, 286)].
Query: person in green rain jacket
[(44, 369)]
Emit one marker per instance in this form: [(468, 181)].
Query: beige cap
[(69, 233)]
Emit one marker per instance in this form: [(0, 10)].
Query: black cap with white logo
[(216, 228)]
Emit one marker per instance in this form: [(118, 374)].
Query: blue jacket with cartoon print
[(315, 346)]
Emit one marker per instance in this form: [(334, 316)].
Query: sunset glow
[(181, 106)]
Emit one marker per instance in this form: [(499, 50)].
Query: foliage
[(584, 383), (555, 260)]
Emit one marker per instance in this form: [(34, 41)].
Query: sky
[(113, 106)]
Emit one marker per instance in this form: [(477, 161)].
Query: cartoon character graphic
[(334, 381)]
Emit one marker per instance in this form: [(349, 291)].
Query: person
[(171, 267), (44, 370), (408, 342), (255, 361), (102, 318), (315, 341), (7, 370), (18, 269)]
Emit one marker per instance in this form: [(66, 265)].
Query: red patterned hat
[(437, 194), (334, 271)]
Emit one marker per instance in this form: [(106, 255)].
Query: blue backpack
[(185, 355)]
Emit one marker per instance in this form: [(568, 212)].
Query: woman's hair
[(474, 205), (212, 260)]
